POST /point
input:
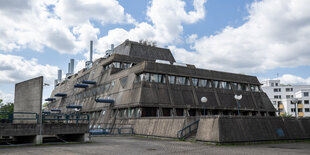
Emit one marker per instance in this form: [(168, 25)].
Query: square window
[(306, 101), (306, 93)]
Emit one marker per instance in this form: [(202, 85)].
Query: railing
[(111, 131), (7, 117), (186, 131), (65, 118)]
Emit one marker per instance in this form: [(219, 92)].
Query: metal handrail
[(180, 133), (11, 117), (109, 131), (66, 117)]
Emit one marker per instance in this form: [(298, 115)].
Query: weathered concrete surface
[(28, 98), (111, 145), (162, 127), (47, 129), (224, 129)]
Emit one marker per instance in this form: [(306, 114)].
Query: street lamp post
[(295, 101), (204, 101), (238, 98)]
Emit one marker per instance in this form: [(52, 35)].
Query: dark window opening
[(192, 112), (166, 111), (180, 111), (244, 113), (149, 112), (272, 114), (225, 112), (204, 112), (214, 112), (262, 113)]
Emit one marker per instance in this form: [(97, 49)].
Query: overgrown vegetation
[(6, 107)]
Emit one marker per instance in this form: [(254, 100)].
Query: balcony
[(281, 106), (300, 114), (300, 106)]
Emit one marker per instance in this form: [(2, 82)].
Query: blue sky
[(267, 39)]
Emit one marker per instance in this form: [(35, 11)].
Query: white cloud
[(167, 17), (63, 25), (294, 80), (74, 12), (6, 97), (274, 35), (15, 69)]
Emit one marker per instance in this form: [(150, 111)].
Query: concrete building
[(140, 87), (146, 81), (282, 95)]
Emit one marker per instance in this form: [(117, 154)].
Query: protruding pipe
[(59, 75), (91, 51), (112, 47), (69, 67), (72, 66)]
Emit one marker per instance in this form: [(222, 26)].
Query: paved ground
[(140, 145)]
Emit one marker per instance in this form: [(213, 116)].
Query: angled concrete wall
[(224, 129), (28, 98)]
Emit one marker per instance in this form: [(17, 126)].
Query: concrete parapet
[(162, 127), (225, 129)]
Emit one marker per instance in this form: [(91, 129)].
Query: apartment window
[(289, 96), (171, 79), (277, 90), (226, 85), (307, 109), (277, 84), (216, 84), (244, 87), (182, 80), (158, 78), (277, 96), (195, 81), (306, 101), (288, 89), (202, 83), (254, 88), (306, 93), (292, 109), (272, 84)]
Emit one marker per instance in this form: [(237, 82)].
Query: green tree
[(8, 107), (44, 106)]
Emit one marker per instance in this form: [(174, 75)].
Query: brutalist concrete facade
[(144, 88)]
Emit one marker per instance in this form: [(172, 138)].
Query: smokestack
[(112, 47), (91, 51), (69, 67), (59, 75), (72, 66)]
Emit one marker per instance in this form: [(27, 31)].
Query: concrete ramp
[(225, 129)]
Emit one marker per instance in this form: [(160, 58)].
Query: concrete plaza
[(140, 145)]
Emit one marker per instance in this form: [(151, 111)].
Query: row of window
[(122, 65), (98, 90), (181, 80), (286, 89), (300, 110)]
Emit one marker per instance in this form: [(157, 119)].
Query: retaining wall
[(225, 129)]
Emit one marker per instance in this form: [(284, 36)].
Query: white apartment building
[(281, 97)]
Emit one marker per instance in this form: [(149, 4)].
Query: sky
[(264, 38)]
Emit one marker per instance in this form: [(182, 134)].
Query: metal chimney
[(91, 51), (112, 47), (69, 67), (72, 66), (59, 75)]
